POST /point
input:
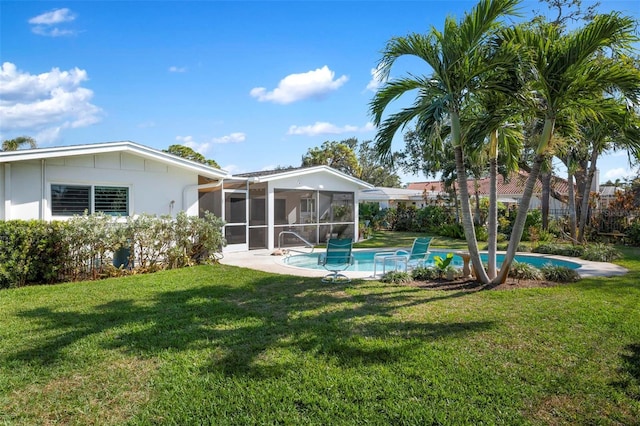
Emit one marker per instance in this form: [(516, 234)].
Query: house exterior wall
[(152, 184)]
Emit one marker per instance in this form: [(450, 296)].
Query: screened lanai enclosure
[(271, 214)]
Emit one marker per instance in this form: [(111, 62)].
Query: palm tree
[(458, 56), (569, 77), (17, 143), (620, 130)]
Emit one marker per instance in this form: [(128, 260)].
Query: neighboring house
[(509, 191), (125, 178), (392, 197)]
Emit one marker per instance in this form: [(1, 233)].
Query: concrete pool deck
[(263, 260)]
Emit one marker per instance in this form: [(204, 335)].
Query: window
[(68, 200), (111, 200)]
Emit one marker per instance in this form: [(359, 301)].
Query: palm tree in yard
[(458, 56), (569, 76), (619, 131), (17, 143)]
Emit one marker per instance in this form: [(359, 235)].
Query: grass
[(232, 346)]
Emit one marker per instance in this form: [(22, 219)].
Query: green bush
[(396, 277), (560, 274), (31, 251), (600, 252), (525, 271), (84, 247), (633, 234), (560, 250), (425, 273)]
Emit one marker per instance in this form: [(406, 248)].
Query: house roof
[(386, 194), (108, 147), (271, 175), (511, 187)]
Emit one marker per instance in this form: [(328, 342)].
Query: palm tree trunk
[(572, 206), (584, 209), (545, 179), (523, 208), (492, 226), (465, 205)]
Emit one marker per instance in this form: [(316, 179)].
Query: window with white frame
[(69, 200)]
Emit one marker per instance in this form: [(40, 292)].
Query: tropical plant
[(559, 274), (458, 56), (18, 143), (569, 74), (396, 277)]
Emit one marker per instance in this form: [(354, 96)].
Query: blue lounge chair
[(337, 258), (403, 259)]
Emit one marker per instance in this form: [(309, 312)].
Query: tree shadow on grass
[(238, 324), (631, 370)]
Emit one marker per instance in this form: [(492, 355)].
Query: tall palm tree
[(458, 56), (620, 130), (569, 78), (17, 143)]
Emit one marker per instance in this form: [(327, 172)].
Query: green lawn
[(224, 345)]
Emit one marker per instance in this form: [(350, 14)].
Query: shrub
[(525, 271), (600, 252), (633, 234), (85, 246), (561, 250), (396, 277), (30, 251), (560, 274), (425, 273)]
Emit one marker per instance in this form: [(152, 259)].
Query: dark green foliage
[(425, 273), (85, 246), (600, 252), (560, 250), (525, 271), (396, 277), (559, 274), (633, 234), (30, 251)]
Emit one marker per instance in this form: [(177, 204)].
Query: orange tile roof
[(513, 186)]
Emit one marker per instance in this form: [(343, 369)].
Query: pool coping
[(264, 260)]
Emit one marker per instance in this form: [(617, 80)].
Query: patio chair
[(337, 258), (402, 258)]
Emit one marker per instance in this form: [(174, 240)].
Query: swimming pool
[(364, 260)]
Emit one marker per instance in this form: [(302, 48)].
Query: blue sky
[(252, 85)]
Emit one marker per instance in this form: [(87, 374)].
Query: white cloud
[(296, 87), (618, 173), (45, 24), (231, 138), (56, 16), (376, 79), (177, 69), (323, 128), (200, 147), (45, 102)]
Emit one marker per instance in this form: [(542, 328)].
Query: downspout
[(43, 169)]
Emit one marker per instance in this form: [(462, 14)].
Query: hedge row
[(85, 247)]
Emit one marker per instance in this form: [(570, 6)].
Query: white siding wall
[(2, 214), (153, 185)]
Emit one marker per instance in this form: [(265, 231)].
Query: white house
[(125, 178)]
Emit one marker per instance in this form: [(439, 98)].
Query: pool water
[(364, 260)]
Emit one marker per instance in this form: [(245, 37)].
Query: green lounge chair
[(337, 258)]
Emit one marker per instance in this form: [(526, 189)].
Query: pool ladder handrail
[(300, 237)]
